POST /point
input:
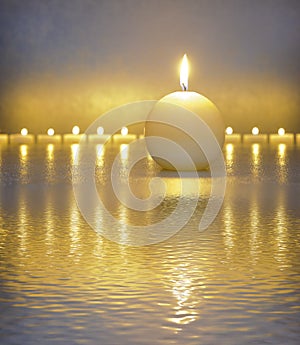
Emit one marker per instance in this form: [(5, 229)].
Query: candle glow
[(281, 131), (24, 131), (124, 131), (229, 130), (50, 132), (255, 131), (184, 73), (75, 130), (100, 130)]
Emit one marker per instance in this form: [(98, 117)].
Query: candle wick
[(184, 87)]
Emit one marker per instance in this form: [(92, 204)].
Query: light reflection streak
[(23, 158), (98, 247), (22, 230), (255, 226), (100, 152), (282, 163), (228, 230), (229, 152), (124, 152), (50, 148), (182, 290), (49, 163), (256, 159), (75, 244), (50, 224), (281, 233), (74, 154)]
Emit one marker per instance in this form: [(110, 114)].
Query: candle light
[(282, 137), (74, 137), (178, 110), (231, 137), (49, 138), (124, 137), (24, 131), (50, 132), (255, 137), (100, 130), (22, 138), (100, 137), (75, 130)]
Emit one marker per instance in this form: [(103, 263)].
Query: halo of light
[(281, 131), (75, 130), (100, 130), (124, 131), (24, 131), (50, 131), (255, 130), (229, 130)]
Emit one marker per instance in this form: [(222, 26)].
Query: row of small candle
[(50, 137), (75, 136), (257, 137)]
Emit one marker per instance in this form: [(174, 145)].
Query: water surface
[(236, 283)]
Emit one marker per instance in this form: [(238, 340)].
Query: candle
[(75, 137), (231, 137), (22, 138), (186, 115), (255, 137), (100, 137), (124, 137), (50, 137), (282, 137)]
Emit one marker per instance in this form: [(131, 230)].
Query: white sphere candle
[(173, 118)]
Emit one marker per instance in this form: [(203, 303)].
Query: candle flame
[(184, 73)]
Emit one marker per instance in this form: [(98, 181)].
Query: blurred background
[(67, 62)]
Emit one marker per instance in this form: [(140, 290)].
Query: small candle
[(50, 137), (100, 137), (255, 137), (282, 137), (124, 137), (22, 138), (75, 137), (178, 110), (231, 137)]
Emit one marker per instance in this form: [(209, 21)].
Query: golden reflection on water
[(228, 230), (75, 240), (282, 163), (22, 227), (23, 162), (50, 226), (255, 225), (256, 159), (50, 171), (74, 154), (229, 156), (281, 232), (100, 154), (124, 152), (183, 286), (50, 149)]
